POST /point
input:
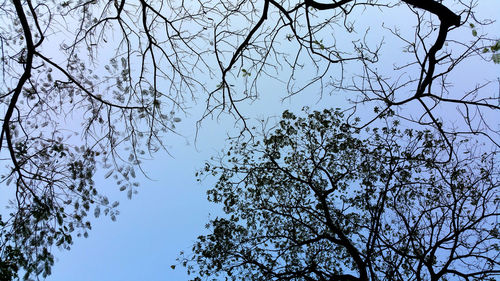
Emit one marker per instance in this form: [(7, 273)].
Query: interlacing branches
[(335, 47), (97, 84), (317, 199), (87, 85)]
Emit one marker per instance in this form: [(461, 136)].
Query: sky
[(171, 209), (169, 212)]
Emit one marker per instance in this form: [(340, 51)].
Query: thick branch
[(28, 63), (448, 19), (324, 6), (445, 15)]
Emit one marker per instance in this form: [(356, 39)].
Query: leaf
[(105, 200), (496, 47), (108, 174), (60, 242), (496, 58), (97, 211)]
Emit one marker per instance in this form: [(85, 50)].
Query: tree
[(86, 82), (345, 51), (317, 199), (87, 85)]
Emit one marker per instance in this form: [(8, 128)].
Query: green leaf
[(496, 58), (496, 47)]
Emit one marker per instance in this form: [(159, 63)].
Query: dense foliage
[(318, 199)]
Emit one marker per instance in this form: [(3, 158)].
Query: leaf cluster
[(318, 199)]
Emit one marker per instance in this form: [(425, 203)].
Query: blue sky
[(170, 211)]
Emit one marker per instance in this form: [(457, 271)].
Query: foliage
[(94, 86), (494, 48), (65, 118), (317, 199)]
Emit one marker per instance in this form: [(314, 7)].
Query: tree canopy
[(317, 199), (96, 86)]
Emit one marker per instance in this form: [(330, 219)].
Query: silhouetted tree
[(97, 84), (87, 85), (317, 199)]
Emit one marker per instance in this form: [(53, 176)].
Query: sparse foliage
[(348, 47), (81, 93)]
